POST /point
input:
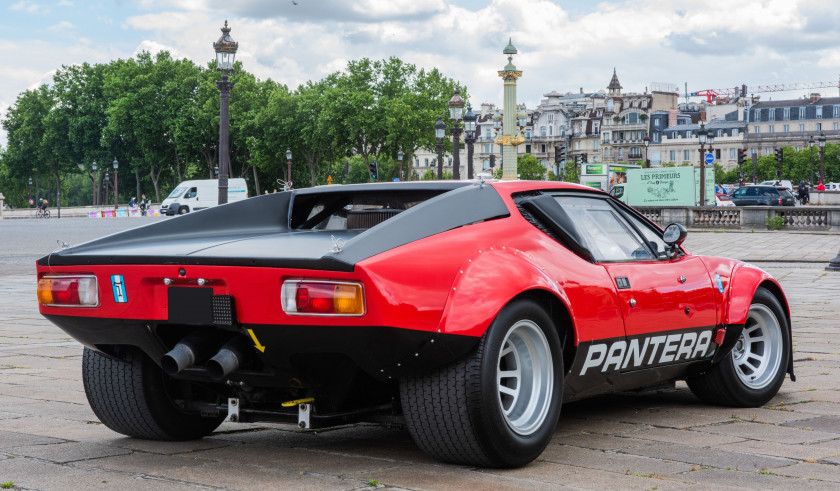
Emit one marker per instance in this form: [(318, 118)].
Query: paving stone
[(716, 478), (610, 461), (560, 475), (760, 431), (67, 451), (9, 440), (688, 437), (822, 472), (813, 451), (821, 423), (703, 457), (449, 478)]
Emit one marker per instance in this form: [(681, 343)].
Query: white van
[(197, 195)]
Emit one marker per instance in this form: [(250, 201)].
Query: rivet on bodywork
[(167, 281)]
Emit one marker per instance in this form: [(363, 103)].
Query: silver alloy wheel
[(757, 354), (525, 377)]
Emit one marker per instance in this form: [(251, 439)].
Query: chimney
[(672, 117), (814, 97), (702, 115)]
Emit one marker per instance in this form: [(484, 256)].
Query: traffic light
[(492, 161), (779, 155), (584, 158), (374, 170), (742, 156), (559, 153)]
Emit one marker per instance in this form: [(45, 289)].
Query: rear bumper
[(380, 351)]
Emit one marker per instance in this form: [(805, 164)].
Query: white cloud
[(29, 7), (61, 27)]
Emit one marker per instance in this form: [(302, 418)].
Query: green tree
[(529, 168)]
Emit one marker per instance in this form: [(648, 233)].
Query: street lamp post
[(93, 178), (822, 157), (469, 139), (400, 156), (811, 159), (225, 49), (456, 111), (116, 184), (288, 169), (646, 139), (31, 201), (440, 131), (701, 136), (107, 185)]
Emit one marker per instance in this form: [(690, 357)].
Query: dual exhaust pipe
[(194, 348)]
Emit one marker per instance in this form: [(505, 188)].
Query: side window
[(192, 193), (652, 237), (603, 231)]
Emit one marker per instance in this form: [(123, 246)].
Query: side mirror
[(675, 234)]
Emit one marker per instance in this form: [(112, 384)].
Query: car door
[(668, 303)]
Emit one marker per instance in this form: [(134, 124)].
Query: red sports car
[(470, 311)]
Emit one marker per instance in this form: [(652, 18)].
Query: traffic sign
[(709, 158)]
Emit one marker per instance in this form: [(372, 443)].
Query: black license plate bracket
[(190, 305)]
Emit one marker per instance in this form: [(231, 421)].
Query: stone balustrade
[(805, 218)]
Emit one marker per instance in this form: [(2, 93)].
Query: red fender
[(745, 281), (486, 283)]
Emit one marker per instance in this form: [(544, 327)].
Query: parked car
[(323, 306), (763, 195), (832, 186), (784, 183), (722, 199)]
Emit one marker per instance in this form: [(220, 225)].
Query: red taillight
[(68, 291), (300, 297)]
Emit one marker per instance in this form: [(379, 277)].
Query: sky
[(563, 46)]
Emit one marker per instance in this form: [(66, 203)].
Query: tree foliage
[(159, 118)]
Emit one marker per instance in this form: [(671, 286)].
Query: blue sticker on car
[(719, 283), (118, 285)]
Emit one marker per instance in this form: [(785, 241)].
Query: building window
[(802, 128), (836, 111), (819, 112), (657, 123), (542, 130), (550, 130), (837, 126), (673, 155), (620, 153), (551, 117), (756, 115), (542, 148), (801, 113), (767, 151), (673, 135), (527, 148), (819, 126), (772, 114), (607, 137), (771, 128), (786, 128), (595, 145), (786, 114), (596, 126), (688, 134), (686, 154), (732, 154), (756, 129), (427, 162), (720, 133)]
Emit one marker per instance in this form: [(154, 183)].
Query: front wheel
[(134, 397), (753, 372), (499, 406), (183, 210)]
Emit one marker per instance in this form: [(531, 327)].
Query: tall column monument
[(510, 138)]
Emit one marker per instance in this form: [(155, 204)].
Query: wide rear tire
[(499, 406), (753, 372), (135, 398)]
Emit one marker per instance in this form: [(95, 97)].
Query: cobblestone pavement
[(666, 439)]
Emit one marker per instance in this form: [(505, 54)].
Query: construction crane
[(712, 94)]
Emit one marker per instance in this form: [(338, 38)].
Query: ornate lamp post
[(822, 157), (107, 185), (288, 168), (116, 184), (811, 159), (469, 139), (400, 156), (456, 111), (646, 139), (93, 178), (509, 139), (225, 49), (440, 131), (701, 136), (31, 201)]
